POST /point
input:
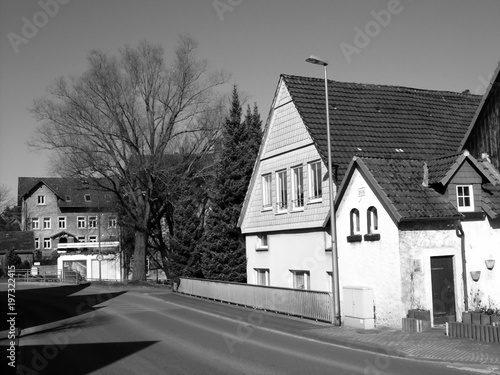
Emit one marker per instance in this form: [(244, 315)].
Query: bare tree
[(5, 197), (120, 122)]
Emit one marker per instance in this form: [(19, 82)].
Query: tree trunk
[(139, 269)]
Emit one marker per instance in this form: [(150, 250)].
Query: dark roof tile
[(384, 121)]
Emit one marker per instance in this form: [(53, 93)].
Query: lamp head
[(316, 60)]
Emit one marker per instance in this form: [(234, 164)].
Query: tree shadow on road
[(74, 359), (39, 306)]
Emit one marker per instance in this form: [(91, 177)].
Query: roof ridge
[(448, 92)]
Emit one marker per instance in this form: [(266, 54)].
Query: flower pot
[(490, 263), (466, 317), (475, 275)]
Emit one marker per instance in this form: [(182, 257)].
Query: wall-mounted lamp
[(490, 263), (475, 275)]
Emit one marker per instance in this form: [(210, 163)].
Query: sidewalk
[(432, 346)]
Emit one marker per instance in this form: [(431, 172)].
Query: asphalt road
[(95, 331)]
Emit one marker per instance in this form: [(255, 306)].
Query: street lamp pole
[(335, 270)]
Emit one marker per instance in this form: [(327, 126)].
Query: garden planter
[(419, 314), (485, 319), (476, 318), (467, 317)]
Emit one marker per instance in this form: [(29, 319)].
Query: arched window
[(354, 221), (372, 225), (354, 236), (372, 220)]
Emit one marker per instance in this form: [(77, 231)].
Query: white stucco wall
[(482, 242), (299, 250), (373, 264), (419, 242)]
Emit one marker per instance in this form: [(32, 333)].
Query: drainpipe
[(461, 234)]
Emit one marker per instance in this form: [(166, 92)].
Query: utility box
[(358, 307)]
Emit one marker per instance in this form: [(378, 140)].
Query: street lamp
[(335, 274)]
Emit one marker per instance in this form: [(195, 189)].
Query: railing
[(57, 276), (304, 303)]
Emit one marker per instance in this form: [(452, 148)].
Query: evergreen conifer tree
[(223, 246)]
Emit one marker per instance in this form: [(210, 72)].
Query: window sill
[(262, 249), (266, 208), (372, 237), (355, 238), (298, 209), (312, 201)]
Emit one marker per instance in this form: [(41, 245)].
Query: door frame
[(427, 253)]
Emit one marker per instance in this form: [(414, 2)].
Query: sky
[(450, 45)]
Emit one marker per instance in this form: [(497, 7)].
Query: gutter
[(461, 234)]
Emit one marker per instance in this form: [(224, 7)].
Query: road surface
[(97, 331)]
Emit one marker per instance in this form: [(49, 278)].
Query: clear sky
[(451, 45)]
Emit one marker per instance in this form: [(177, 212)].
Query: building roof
[(402, 187), (382, 121), (398, 185), (70, 191), (441, 170)]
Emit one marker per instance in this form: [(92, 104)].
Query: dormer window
[(87, 198), (465, 198), (68, 198)]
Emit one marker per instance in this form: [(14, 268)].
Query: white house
[(286, 211)]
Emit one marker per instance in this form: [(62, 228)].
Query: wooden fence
[(480, 332), (310, 304)]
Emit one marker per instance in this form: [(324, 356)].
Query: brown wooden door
[(443, 289)]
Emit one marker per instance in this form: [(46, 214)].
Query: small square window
[(301, 280), (112, 222), (35, 223), (262, 243), (92, 221), (92, 238), (81, 222), (87, 198), (465, 198), (46, 223), (37, 243), (61, 222), (262, 276), (41, 199), (47, 243), (81, 238)]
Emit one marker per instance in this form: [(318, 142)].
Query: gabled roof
[(73, 188), (398, 185), (441, 170), (382, 121), (401, 186)]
